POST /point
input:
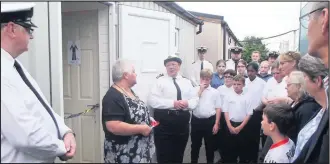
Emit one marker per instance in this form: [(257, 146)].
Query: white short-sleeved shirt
[(274, 89), (280, 152), (208, 103), (163, 93), (254, 91), (196, 69), (237, 106), (223, 91)]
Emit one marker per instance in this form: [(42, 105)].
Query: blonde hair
[(290, 56), (206, 73), (297, 78)]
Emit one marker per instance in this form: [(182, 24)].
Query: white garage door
[(147, 38)]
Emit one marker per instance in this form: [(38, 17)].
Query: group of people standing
[(286, 97)]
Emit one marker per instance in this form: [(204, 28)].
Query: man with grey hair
[(317, 23), (30, 129)]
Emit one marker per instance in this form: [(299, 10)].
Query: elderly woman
[(313, 138), (125, 119), (303, 105)]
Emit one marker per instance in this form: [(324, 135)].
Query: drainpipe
[(224, 45), (200, 28)]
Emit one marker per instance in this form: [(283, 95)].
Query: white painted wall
[(187, 36), (36, 60)]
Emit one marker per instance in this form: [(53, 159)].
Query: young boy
[(277, 120), (237, 114), (263, 71), (205, 118), (229, 74)]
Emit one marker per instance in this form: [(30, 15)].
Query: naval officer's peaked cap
[(202, 49), (173, 58), (236, 49), (274, 54), (17, 12)]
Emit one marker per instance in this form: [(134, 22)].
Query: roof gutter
[(185, 13)]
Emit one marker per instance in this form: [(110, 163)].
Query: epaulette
[(160, 75), (193, 62)]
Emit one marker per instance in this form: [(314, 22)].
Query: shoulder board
[(185, 77), (227, 60), (160, 75), (193, 62)]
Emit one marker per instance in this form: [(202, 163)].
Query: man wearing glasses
[(31, 132), (316, 21)]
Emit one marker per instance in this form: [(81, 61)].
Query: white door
[(147, 38), (81, 83)]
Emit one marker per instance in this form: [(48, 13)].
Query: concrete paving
[(202, 155)]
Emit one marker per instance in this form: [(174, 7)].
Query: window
[(303, 42), (229, 40), (176, 40)]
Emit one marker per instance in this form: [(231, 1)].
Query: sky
[(261, 19)]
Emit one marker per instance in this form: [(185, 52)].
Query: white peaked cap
[(7, 7)]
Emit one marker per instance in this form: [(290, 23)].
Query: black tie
[(202, 66), (236, 63), (178, 91), (27, 82)]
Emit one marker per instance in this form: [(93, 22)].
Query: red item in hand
[(154, 123)]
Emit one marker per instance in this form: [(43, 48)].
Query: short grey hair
[(119, 68), (313, 67)]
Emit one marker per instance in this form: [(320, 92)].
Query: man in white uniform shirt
[(254, 88), (171, 98), (30, 130), (236, 55), (205, 118), (199, 65), (275, 86)]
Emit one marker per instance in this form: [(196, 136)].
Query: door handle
[(93, 106)]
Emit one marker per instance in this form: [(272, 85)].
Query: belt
[(169, 111)]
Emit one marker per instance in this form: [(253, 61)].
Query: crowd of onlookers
[(282, 102)]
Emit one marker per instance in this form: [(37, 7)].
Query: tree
[(252, 43)]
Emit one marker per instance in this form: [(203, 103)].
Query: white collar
[(6, 58)]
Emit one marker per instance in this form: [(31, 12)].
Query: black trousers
[(234, 145), (171, 135), (220, 136), (201, 128), (254, 126)]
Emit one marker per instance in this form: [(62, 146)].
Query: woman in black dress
[(126, 121)]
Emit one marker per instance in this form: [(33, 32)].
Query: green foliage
[(252, 43)]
